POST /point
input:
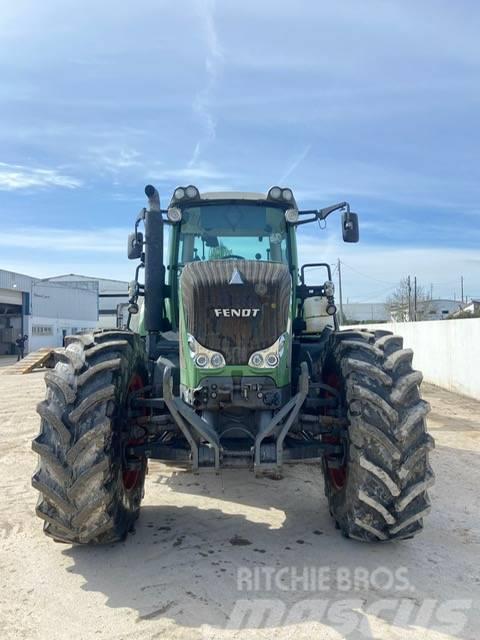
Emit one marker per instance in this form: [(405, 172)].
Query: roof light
[(179, 193), (275, 193), (192, 192)]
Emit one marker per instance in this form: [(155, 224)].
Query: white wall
[(366, 311), (57, 300), (446, 351), (58, 325)]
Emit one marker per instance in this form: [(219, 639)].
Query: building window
[(42, 330)]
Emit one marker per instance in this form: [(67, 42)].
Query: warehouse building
[(44, 311), (112, 296)]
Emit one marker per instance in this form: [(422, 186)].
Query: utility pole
[(342, 317), (461, 281), (409, 285), (415, 298), (431, 292)]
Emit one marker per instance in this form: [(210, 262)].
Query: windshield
[(223, 230)]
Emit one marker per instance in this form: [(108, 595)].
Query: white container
[(315, 314)]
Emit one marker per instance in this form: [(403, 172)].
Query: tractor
[(232, 358)]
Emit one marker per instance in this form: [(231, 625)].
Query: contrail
[(295, 164)]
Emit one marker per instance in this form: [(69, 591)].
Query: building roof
[(81, 277)]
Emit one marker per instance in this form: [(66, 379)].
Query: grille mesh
[(205, 287)]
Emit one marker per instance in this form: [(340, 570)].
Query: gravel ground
[(206, 545)]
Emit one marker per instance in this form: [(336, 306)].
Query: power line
[(369, 277), (372, 295)]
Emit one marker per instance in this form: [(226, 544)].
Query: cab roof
[(232, 195)]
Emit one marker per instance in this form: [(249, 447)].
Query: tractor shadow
[(215, 539)]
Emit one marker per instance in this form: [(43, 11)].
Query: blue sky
[(377, 103)]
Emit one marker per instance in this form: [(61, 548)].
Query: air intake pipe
[(154, 268)]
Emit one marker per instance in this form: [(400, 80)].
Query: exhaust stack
[(154, 268)]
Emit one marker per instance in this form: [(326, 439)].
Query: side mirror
[(135, 245), (350, 229)]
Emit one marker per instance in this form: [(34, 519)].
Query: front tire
[(88, 491), (381, 492)]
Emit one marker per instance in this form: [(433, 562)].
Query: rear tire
[(382, 492), (87, 492)]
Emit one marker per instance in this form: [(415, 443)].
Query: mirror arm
[(322, 214), (140, 217)]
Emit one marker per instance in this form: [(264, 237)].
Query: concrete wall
[(447, 352)]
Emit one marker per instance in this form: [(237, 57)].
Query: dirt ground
[(205, 545)]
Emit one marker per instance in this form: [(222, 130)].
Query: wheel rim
[(131, 477), (337, 475)]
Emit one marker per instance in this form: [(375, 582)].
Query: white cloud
[(115, 159), (201, 171), (107, 240), (16, 176)]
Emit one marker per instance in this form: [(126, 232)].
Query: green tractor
[(235, 360)]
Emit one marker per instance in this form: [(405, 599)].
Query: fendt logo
[(236, 313)]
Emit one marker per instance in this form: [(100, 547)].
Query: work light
[(275, 193), (291, 215), (192, 192), (179, 193), (174, 214)]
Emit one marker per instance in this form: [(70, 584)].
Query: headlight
[(270, 357), (217, 360), (201, 360), (203, 357), (291, 215), (256, 360), (287, 195), (272, 360), (174, 214)]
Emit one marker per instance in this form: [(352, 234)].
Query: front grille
[(236, 319)]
